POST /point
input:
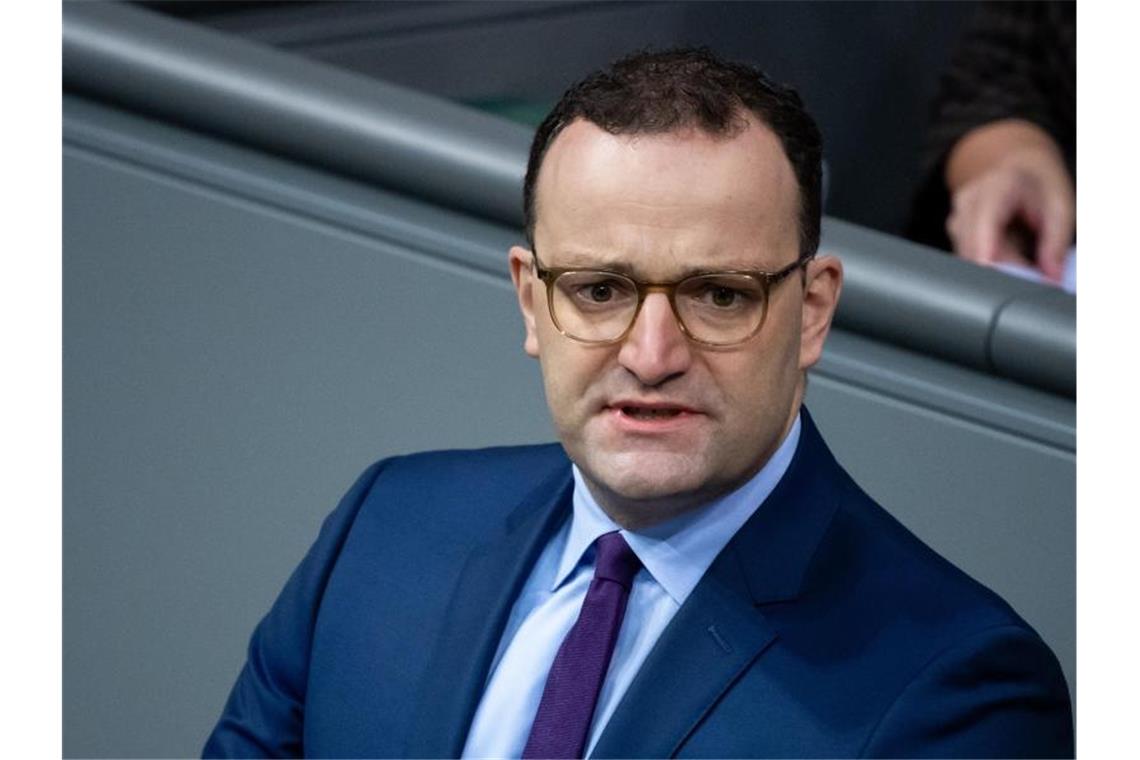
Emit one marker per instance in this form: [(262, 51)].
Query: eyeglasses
[(715, 308)]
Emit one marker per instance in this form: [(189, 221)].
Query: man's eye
[(600, 292), (723, 297), (722, 294)]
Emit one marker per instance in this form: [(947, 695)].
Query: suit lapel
[(480, 605), (721, 629)]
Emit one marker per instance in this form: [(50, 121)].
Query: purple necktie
[(575, 678)]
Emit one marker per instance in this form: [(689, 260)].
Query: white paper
[(1068, 274)]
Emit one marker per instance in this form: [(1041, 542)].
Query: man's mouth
[(647, 413), (640, 410)]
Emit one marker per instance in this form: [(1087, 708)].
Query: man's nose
[(656, 349)]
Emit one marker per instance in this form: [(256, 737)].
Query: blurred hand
[(1012, 200)]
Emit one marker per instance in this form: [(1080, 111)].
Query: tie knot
[(615, 561)]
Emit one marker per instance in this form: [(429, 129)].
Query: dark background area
[(867, 70)]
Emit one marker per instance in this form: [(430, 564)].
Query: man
[(690, 573)]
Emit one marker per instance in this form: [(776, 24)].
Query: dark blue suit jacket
[(824, 629)]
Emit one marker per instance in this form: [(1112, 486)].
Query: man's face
[(659, 424)]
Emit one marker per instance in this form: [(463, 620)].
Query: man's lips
[(636, 410)]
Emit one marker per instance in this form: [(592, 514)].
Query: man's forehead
[(685, 195), (687, 166)]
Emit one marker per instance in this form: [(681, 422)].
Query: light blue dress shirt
[(674, 556)]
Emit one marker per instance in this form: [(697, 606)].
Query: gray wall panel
[(229, 370)]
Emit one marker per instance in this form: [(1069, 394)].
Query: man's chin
[(648, 476)]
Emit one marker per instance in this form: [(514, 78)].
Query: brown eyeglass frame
[(767, 281)]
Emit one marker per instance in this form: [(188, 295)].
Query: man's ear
[(821, 296), (522, 275)]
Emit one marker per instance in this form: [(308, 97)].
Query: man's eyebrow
[(587, 261)]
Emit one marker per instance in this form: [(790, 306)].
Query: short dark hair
[(655, 92)]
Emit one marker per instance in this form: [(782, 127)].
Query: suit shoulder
[(499, 465), (897, 564), (468, 485), (491, 456), (928, 643), (997, 693)]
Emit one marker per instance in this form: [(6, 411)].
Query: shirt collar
[(677, 552)]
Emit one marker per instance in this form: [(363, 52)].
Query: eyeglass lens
[(601, 306)]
